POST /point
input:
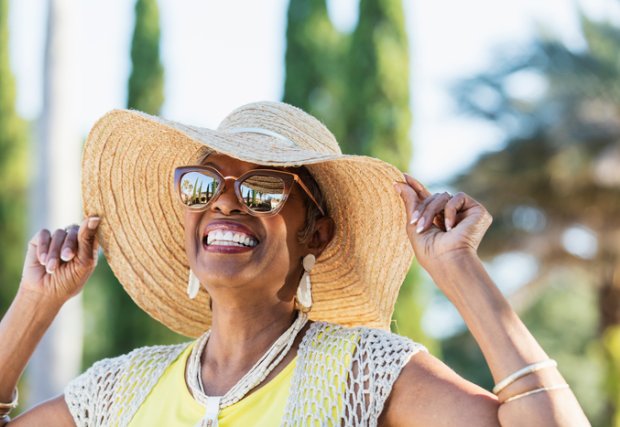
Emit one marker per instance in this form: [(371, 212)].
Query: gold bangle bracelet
[(537, 390), (529, 369)]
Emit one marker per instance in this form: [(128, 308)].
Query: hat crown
[(285, 120)]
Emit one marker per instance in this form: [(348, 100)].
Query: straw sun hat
[(127, 179)]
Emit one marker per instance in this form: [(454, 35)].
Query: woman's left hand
[(442, 228)]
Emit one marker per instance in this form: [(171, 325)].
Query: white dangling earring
[(304, 290), (193, 285)]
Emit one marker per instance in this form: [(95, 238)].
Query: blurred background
[(515, 102)]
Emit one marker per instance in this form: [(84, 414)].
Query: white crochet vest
[(112, 390)]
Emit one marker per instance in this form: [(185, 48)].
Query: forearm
[(21, 329), (507, 346)]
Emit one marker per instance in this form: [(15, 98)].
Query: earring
[(193, 285), (304, 290)]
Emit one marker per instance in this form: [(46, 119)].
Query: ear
[(322, 235)]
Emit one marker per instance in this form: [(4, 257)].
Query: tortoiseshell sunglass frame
[(288, 178)]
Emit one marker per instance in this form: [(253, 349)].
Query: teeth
[(229, 238)]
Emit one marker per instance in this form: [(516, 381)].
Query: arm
[(47, 283), (450, 258)]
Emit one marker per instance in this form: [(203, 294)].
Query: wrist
[(453, 263), (38, 302)]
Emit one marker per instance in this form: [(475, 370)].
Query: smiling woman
[(283, 258)]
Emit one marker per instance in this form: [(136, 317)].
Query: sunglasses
[(260, 192)]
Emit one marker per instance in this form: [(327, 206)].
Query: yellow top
[(170, 403)]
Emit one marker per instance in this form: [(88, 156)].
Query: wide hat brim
[(127, 179)]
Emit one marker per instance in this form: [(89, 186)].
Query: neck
[(240, 335)]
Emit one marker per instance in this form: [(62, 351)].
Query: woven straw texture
[(326, 389), (127, 178)]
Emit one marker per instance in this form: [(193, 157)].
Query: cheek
[(294, 225)]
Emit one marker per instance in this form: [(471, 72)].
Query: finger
[(436, 204), (42, 241), (421, 206), (87, 238), (422, 191), (69, 247), (454, 206), (409, 196), (54, 251)]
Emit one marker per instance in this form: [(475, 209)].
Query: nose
[(227, 202)]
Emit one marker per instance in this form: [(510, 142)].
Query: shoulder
[(427, 387), (114, 380)]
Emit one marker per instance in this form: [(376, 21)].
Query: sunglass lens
[(262, 193), (198, 188)]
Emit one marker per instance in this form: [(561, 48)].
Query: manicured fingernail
[(397, 187), (420, 226), (448, 226), (51, 266), (42, 258), (66, 254), (93, 222), (414, 217)]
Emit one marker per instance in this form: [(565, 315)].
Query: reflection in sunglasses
[(260, 193)]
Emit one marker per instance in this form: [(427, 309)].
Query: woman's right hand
[(58, 265)]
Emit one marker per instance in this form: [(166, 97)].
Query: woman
[(278, 226)]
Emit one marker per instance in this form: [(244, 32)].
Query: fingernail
[(414, 217), (42, 258), (420, 226), (51, 266), (66, 254), (397, 187), (448, 226), (93, 222)]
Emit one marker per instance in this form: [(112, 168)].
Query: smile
[(229, 238)]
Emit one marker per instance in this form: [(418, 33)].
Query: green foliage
[(146, 82), (314, 67), (13, 166), (407, 319), (611, 343), (377, 102)]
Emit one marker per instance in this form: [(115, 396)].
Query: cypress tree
[(379, 118), (146, 82), (377, 112), (314, 67), (13, 188)]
